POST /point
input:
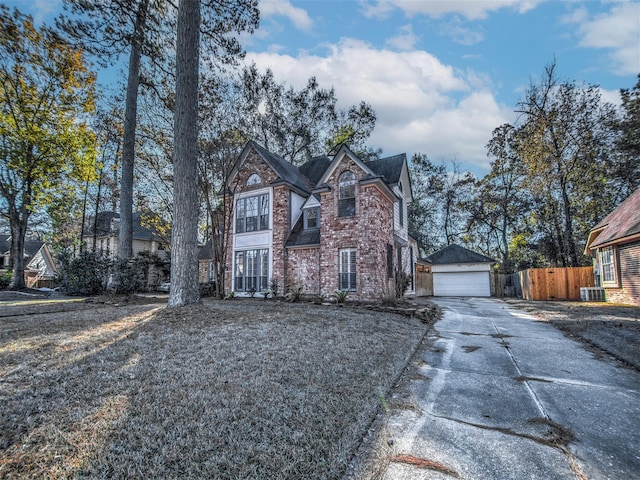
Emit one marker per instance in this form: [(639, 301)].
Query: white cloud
[(460, 34), (422, 104), (617, 31), (404, 40), (299, 17), (470, 9)]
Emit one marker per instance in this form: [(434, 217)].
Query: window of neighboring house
[(347, 280), (252, 213), (389, 261), (312, 218), (254, 179), (607, 265), (347, 194), (251, 270)]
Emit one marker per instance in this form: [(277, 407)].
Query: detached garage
[(460, 272)]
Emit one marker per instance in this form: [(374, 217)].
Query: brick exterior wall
[(368, 231), (316, 269), (280, 233), (628, 257), (303, 270), (252, 164)]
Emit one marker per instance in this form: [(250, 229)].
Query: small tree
[(46, 91)]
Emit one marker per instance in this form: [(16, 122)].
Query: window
[(312, 218), (254, 179), (347, 280), (389, 261), (401, 211), (251, 270), (347, 194), (607, 265), (252, 213)]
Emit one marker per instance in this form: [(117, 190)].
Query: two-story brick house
[(331, 224)]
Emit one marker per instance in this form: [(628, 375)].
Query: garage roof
[(457, 254)]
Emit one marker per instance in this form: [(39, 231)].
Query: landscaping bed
[(230, 389)]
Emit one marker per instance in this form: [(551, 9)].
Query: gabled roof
[(620, 225), (390, 167), (457, 254), (300, 237), (315, 168), (31, 247), (104, 224), (344, 150), (283, 169)]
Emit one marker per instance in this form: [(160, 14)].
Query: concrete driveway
[(501, 395)]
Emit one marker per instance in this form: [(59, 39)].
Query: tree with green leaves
[(299, 124), (46, 96), (565, 143), (500, 202), (627, 166)]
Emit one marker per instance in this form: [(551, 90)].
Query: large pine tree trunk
[(184, 234), (125, 236)]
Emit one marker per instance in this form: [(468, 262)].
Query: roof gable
[(457, 254), (344, 152), (622, 222), (284, 170)]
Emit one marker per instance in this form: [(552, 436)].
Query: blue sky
[(441, 75)]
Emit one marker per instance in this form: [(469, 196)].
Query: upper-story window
[(347, 194), (312, 218), (254, 179), (252, 213)]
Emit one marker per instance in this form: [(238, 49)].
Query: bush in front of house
[(84, 274), (5, 280)]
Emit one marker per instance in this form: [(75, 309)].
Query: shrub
[(86, 274), (274, 286), (341, 296), (5, 280), (128, 276), (294, 294), (402, 283)]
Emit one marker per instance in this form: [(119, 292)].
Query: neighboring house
[(615, 246), (145, 238), (331, 224), (460, 272), (40, 267)]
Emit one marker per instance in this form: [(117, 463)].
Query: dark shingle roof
[(315, 168), (140, 232), (389, 167), (286, 171), (300, 237), (622, 222), (457, 254), (31, 247)]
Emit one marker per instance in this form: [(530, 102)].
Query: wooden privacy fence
[(545, 283)]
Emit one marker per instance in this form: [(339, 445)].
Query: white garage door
[(461, 284)]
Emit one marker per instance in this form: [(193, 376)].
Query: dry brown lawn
[(227, 390)]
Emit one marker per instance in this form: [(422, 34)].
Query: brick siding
[(628, 274)]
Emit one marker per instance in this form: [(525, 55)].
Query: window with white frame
[(347, 194), (607, 265), (252, 213), (347, 276), (251, 270)]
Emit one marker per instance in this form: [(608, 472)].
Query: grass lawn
[(227, 390)]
